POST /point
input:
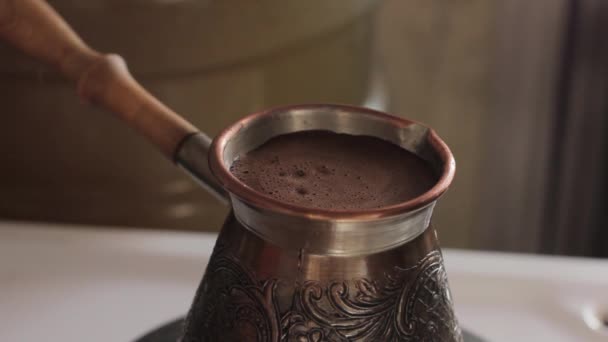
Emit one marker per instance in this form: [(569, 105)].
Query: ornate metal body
[(286, 273), (256, 291)]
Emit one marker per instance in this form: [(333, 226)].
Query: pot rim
[(262, 201)]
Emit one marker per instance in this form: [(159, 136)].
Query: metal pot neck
[(335, 237)]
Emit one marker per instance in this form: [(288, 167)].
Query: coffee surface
[(325, 170)]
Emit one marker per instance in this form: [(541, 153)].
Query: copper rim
[(262, 201)]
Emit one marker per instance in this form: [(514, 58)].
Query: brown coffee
[(325, 170)]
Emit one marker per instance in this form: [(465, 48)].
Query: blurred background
[(516, 88)]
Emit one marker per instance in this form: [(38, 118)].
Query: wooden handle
[(35, 28)]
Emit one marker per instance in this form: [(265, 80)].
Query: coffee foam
[(325, 170)]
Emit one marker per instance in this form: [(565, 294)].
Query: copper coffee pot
[(279, 272)]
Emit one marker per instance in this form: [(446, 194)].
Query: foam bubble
[(302, 191)]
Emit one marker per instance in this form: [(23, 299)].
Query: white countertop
[(67, 284)]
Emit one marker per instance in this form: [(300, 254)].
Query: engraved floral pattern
[(413, 304), (232, 304)]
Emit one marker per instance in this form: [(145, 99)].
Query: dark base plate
[(170, 332)]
